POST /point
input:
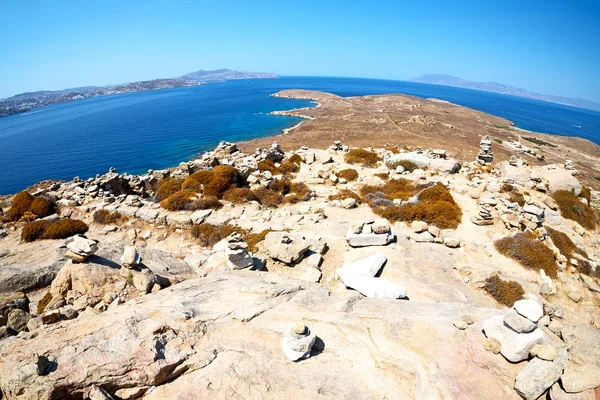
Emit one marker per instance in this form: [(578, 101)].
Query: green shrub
[(529, 252), (60, 229), (504, 292), (348, 174), (362, 157), (572, 208), (167, 187), (20, 205), (104, 217)]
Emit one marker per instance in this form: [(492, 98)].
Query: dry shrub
[(190, 201), (286, 168), (436, 206), (296, 159), (208, 235), (267, 165), (393, 150), (301, 189), (223, 177), (401, 189), (267, 197), (572, 208), (348, 174), (529, 252), (345, 194), (105, 217), (43, 303), (383, 176), (362, 157), (569, 249), (40, 207), (507, 188), (586, 193), (167, 187), (197, 180), (253, 239), (20, 204), (239, 195), (60, 229), (280, 186), (516, 197), (408, 165), (504, 292)]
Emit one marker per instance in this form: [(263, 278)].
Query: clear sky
[(551, 47)]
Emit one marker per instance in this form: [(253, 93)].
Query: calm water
[(158, 129)]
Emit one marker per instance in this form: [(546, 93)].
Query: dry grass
[(383, 176), (167, 187), (267, 197), (362, 157), (224, 176), (286, 168), (208, 235), (569, 249), (408, 165), (20, 204), (60, 229), (348, 174), (197, 180), (435, 205), (572, 208), (40, 207), (296, 159), (504, 292), (239, 195), (344, 194), (586, 193), (104, 217), (393, 150), (253, 239), (529, 252), (189, 200), (514, 195)]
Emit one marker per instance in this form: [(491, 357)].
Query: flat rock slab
[(369, 239)]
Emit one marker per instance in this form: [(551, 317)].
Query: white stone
[(517, 322), (514, 346), (418, 226), (311, 275), (530, 309), (368, 239)]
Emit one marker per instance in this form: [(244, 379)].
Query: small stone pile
[(370, 233), (236, 252), (274, 154), (486, 155), (130, 258), (337, 146), (517, 331), (484, 215), (225, 148), (80, 248), (298, 341), (423, 233), (532, 216)]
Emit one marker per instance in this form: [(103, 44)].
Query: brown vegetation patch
[(189, 200), (504, 292), (40, 207), (296, 159), (197, 180), (393, 150), (586, 193), (348, 174), (223, 177), (167, 187), (239, 195), (286, 168), (60, 229), (28, 208), (344, 194), (20, 205), (383, 176), (408, 165), (572, 208), (104, 217), (569, 249), (253, 239), (362, 157), (267, 197), (208, 235), (529, 252)]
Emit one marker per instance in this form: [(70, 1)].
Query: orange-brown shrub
[(348, 174), (253, 239), (362, 157), (239, 195), (20, 204), (105, 217), (267, 165), (60, 229), (529, 252), (223, 177), (296, 159), (569, 249), (504, 292), (572, 208), (301, 189), (287, 167), (190, 201), (208, 235), (408, 165), (197, 180), (40, 207), (586, 193), (345, 194), (507, 188), (167, 187), (280, 186), (267, 197), (393, 150), (383, 176), (516, 197)]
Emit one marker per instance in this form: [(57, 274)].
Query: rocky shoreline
[(396, 271)]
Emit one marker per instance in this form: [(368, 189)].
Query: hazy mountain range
[(449, 80), (26, 101)]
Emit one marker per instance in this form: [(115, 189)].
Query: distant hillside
[(27, 101), (449, 80), (225, 75)]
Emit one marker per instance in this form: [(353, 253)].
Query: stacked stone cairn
[(298, 341), (337, 146), (236, 252), (532, 216), (484, 212), (130, 258), (517, 331), (80, 248), (486, 155), (370, 233)]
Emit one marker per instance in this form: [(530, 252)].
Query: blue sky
[(551, 47)]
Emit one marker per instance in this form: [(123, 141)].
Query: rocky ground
[(140, 309)]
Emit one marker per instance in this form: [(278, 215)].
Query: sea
[(135, 132)]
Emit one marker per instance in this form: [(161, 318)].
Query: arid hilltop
[(398, 119)]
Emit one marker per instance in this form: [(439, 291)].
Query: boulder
[(368, 239), (368, 266), (517, 322), (381, 226), (514, 346), (559, 179), (143, 279), (539, 375), (311, 275), (17, 320), (360, 275), (130, 257), (418, 226), (529, 309), (518, 175), (577, 378), (287, 248)]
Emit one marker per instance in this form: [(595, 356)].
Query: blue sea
[(158, 129)]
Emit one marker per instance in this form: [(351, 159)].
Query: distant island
[(27, 101), (449, 80)]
